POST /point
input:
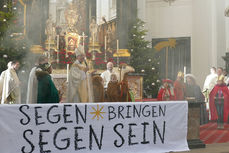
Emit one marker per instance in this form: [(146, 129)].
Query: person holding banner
[(47, 92)]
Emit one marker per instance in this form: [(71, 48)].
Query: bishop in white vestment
[(79, 85)]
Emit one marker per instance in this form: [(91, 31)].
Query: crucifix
[(83, 36)]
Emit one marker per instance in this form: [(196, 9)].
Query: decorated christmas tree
[(13, 43), (143, 59)]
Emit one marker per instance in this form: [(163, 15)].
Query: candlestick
[(117, 53), (57, 43), (184, 73), (105, 42), (67, 72), (105, 48), (93, 49), (49, 47)]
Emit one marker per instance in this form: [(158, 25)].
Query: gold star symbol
[(97, 112)]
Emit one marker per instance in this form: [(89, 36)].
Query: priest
[(11, 93)]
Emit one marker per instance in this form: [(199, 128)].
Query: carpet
[(210, 134)]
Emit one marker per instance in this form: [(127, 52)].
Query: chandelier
[(169, 1)]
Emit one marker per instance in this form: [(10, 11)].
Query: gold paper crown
[(180, 74), (221, 78)]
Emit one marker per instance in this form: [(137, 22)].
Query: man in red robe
[(166, 93), (219, 99)]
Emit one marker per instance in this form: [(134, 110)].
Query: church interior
[(149, 40)]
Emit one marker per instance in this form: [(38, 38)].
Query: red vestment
[(165, 94), (179, 88), (225, 91)]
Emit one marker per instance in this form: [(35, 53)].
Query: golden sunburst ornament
[(97, 112)]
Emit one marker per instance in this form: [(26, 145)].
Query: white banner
[(150, 127)]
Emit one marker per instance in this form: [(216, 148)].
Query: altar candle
[(105, 48), (49, 43), (105, 43), (184, 73), (117, 45), (67, 72), (57, 41), (57, 47), (117, 53)]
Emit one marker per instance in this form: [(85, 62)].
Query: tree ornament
[(149, 60), (153, 68), (153, 84), (142, 70), (5, 56)]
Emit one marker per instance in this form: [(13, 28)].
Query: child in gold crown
[(179, 87)]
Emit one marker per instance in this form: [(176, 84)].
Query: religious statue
[(93, 31), (50, 28), (71, 17), (61, 16), (109, 36)]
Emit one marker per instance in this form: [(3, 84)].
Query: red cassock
[(179, 88), (225, 91), (163, 96)]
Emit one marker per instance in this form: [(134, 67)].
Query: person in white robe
[(210, 80), (2, 78), (32, 83), (11, 93), (209, 84), (106, 75), (79, 82)]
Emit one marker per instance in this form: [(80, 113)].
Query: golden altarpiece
[(71, 26)]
